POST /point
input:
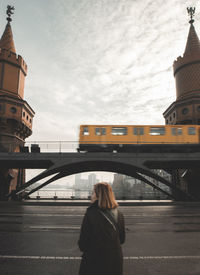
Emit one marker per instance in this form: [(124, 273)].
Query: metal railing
[(53, 146), (41, 146), (86, 194)]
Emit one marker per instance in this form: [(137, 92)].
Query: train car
[(131, 138)]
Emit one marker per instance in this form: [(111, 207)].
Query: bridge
[(137, 165)]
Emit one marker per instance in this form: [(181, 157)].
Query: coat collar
[(94, 204)]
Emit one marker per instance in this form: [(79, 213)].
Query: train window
[(100, 131), (97, 131), (176, 131), (85, 131), (157, 131), (179, 131), (119, 131), (103, 131), (138, 131), (191, 131)]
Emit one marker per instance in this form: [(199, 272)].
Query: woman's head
[(105, 196)]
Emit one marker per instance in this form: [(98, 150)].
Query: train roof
[(139, 125)]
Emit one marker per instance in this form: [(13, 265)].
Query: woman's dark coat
[(101, 243)]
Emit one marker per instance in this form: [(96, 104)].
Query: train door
[(138, 132), (177, 133)]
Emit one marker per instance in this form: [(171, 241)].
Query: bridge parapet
[(43, 147), (71, 146)]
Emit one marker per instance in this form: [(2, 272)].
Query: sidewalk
[(121, 202)]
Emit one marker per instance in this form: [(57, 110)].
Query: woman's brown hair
[(105, 196)]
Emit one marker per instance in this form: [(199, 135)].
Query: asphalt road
[(40, 239)]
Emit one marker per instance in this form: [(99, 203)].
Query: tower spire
[(9, 12), (193, 43), (7, 41), (191, 12)]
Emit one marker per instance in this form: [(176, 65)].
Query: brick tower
[(186, 108), (16, 116)]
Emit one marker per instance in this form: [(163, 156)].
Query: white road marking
[(79, 258), (53, 227), (161, 257), (38, 257)]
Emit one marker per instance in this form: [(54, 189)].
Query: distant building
[(92, 179), (77, 180), (85, 184), (126, 187), (80, 183), (120, 188)]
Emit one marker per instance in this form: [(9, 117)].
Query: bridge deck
[(150, 160)]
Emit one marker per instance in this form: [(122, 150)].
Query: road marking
[(53, 227), (161, 257), (79, 258), (39, 257), (41, 215)]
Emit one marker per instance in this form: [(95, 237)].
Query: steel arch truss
[(130, 167)]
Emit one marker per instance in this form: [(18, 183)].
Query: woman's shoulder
[(92, 211), (93, 207)]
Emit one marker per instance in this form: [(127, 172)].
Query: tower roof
[(7, 41), (193, 43)]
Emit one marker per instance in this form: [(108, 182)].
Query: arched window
[(13, 110)]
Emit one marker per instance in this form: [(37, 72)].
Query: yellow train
[(130, 138)]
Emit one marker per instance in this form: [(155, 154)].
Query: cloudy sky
[(98, 61)]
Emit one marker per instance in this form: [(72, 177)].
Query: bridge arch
[(63, 169)]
